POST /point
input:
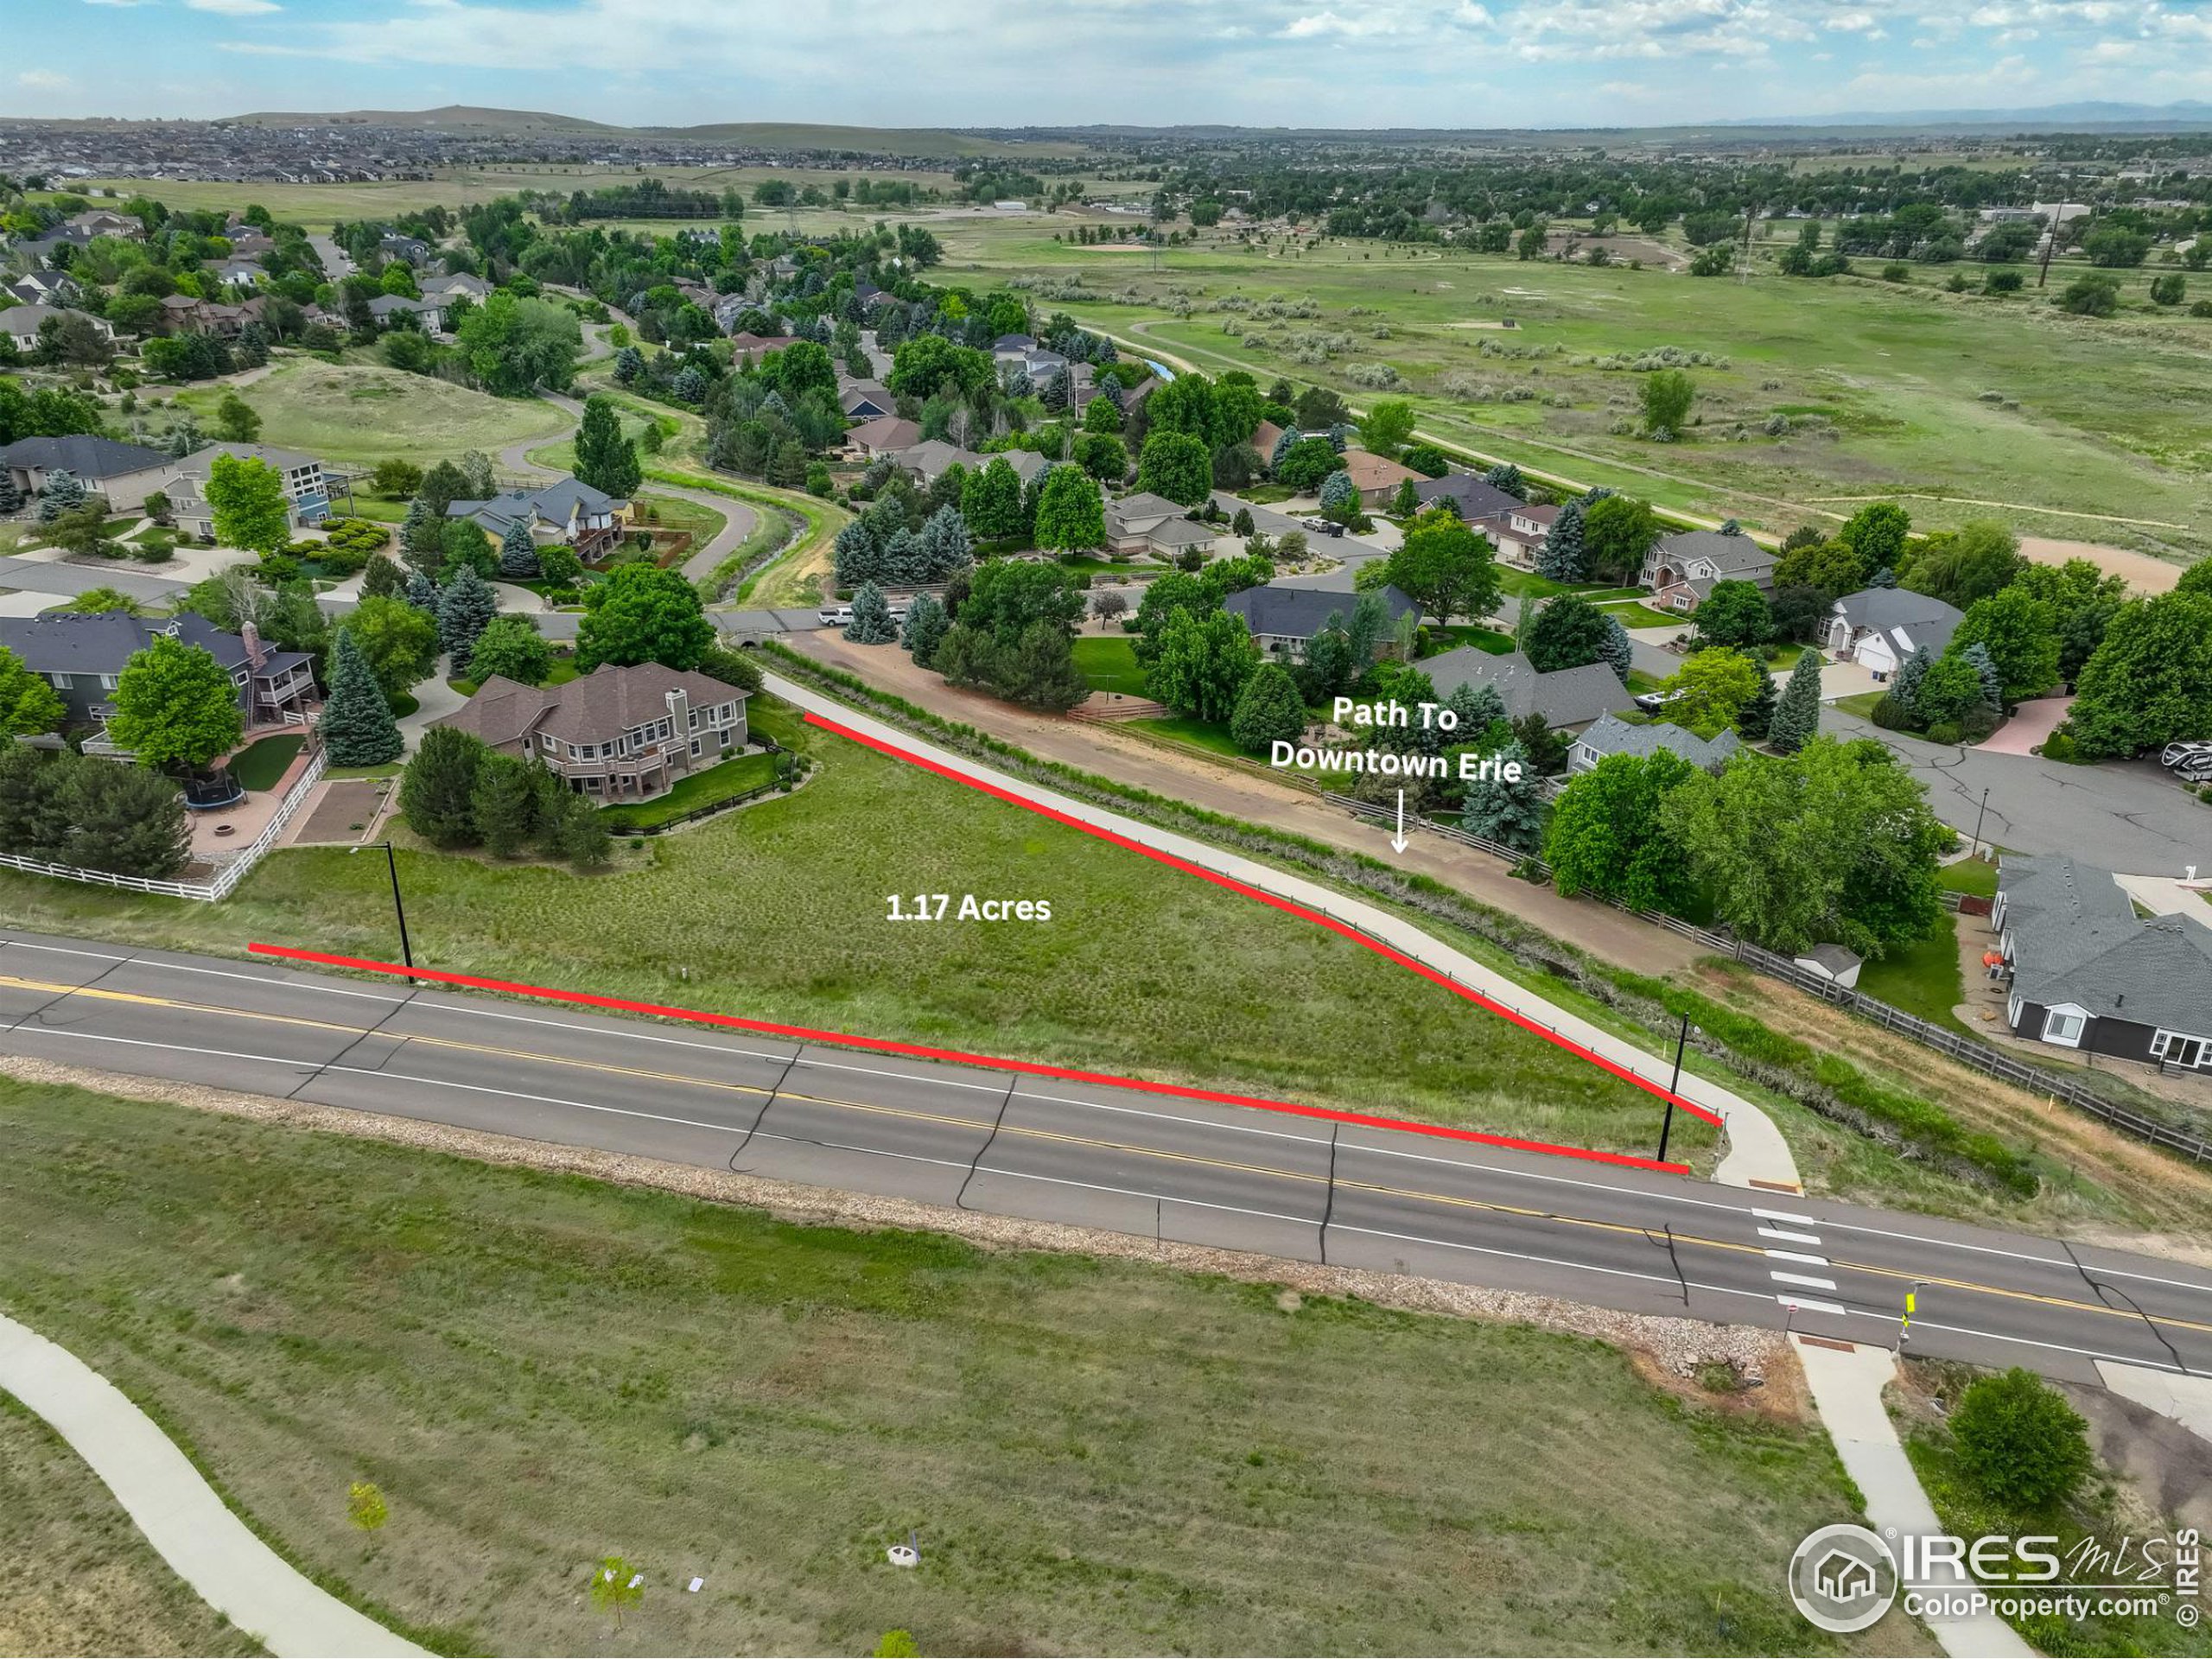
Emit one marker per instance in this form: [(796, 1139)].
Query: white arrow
[(1398, 840)]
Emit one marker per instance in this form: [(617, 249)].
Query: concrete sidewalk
[(1847, 1384), (1756, 1152), (186, 1524)]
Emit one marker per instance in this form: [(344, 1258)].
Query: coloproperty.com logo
[(1844, 1578)]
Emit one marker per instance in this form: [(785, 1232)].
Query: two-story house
[(83, 657), (567, 512), (307, 490), (1680, 569), (1146, 523), (619, 733)]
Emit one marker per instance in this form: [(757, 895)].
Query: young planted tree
[(614, 1586), (357, 726), (174, 706)]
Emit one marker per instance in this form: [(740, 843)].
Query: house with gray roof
[(1475, 500), (82, 656), (1283, 618), (307, 490), (567, 512), (1880, 627), (619, 733), (1568, 698), (931, 457), (2085, 972), (1682, 569), (1612, 735), (126, 474), (866, 400), (20, 324)]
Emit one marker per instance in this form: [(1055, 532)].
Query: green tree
[(235, 420), (1070, 513), (1176, 465), (1508, 812), (1204, 664), (2020, 1441), (124, 819), (990, 500), (614, 1586), (923, 364), (245, 501), (1877, 534), (437, 791), (1268, 709), (464, 544), (365, 1506), (1709, 690), (1831, 569), (1567, 632), (1618, 530), (1608, 834), (1982, 558), (1734, 613), (357, 726), (2090, 296), (1668, 397), (1307, 463), (642, 613), (2021, 633), (605, 459), (513, 346), (28, 704), (2149, 683), (1796, 719), (871, 624), (1102, 416), (399, 642), (1389, 427), (465, 605), (511, 647), (925, 629), (1446, 568), (174, 706), (503, 803)]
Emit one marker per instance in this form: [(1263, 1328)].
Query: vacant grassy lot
[(82, 1578), (1883, 386), (1097, 1457), (360, 414), (779, 912)]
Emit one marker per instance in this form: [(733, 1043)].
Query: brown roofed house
[(1375, 477), (617, 734)]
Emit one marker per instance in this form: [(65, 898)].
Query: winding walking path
[(188, 1525)]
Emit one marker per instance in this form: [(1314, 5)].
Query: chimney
[(250, 637), (679, 714)]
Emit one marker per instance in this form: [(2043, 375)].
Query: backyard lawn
[(261, 763), (726, 781), (1437, 641), (1109, 662), (776, 912), (361, 414), (1920, 978), (564, 670), (1098, 1456)]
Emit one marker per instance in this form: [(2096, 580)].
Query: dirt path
[(2145, 574), (1127, 759)]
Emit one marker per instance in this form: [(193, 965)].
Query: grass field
[(85, 1580), (1097, 1455), (1110, 662), (360, 414), (778, 912), (1883, 386)]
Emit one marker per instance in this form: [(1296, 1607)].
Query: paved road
[(1100, 1156)]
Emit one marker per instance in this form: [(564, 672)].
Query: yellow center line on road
[(1064, 1138)]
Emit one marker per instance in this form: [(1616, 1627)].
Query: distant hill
[(465, 119)]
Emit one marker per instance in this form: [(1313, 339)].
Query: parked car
[(836, 616), (1321, 526)]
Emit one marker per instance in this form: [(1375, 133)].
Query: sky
[(894, 63)]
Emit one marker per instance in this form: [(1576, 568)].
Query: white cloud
[(1321, 24), (44, 80), (235, 8)]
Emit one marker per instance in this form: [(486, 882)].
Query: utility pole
[(1673, 1086), (2050, 242), (1984, 808), (391, 863)]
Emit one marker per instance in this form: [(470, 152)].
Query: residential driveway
[(2031, 723), (434, 699), (2122, 815), (1845, 680)]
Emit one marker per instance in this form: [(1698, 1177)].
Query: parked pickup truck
[(835, 616)]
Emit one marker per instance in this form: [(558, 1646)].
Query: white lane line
[(1789, 1237), (1798, 1255), (64, 950), (1804, 1278), (1783, 1215), (1802, 1305)]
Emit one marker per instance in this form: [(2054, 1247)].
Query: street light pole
[(1979, 813), (391, 863), (1667, 1123)]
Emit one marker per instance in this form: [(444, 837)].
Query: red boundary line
[(958, 1056), (1288, 907)]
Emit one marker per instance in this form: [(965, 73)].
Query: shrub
[(2019, 1440), (2060, 745), (1979, 723), (1945, 731), (1891, 714)]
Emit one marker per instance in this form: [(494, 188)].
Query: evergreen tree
[(871, 624), (11, 495), (1560, 559), (1905, 688), (422, 537), (1796, 719), (901, 562), (504, 804), (422, 593), (357, 726), (1615, 650), (1337, 493), (1507, 477), (1268, 710), (464, 608), (569, 827), (1884, 577), (518, 552), (382, 578), (476, 466), (605, 459), (1511, 814), (859, 555), (926, 623), (1755, 718), (1290, 436), (64, 490), (437, 791), (1992, 683), (946, 546)]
